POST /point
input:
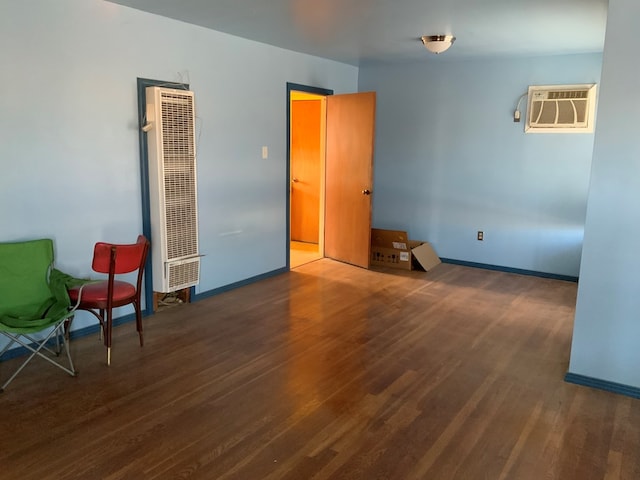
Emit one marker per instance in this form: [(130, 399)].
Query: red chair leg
[(139, 322), (102, 321), (109, 327)]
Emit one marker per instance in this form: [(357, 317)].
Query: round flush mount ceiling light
[(437, 43)]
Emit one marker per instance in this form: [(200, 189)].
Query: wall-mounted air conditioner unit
[(175, 259), (561, 109)]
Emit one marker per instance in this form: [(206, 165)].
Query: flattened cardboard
[(425, 256)]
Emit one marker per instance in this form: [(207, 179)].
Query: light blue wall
[(606, 338), (69, 140), (450, 160)]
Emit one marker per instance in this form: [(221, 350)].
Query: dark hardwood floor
[(330, 372)]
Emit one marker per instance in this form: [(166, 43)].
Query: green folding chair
[(35, 309)]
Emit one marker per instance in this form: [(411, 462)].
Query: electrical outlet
[(480, 235)]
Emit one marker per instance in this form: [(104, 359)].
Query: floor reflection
[(326, 365)]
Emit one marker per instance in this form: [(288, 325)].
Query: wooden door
[(305, 169), (349, 177)]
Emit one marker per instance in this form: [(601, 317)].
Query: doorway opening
[(346, 135), (306, 173)]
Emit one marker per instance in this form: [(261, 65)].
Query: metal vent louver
[(172, 165), (182, 273), (561, 109)]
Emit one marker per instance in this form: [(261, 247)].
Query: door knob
[(366, 191)]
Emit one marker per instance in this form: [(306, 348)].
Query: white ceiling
[(360, 31)]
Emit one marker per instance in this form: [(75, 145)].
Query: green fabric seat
[(34, 299)]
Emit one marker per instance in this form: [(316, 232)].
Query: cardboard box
[(393, 249)]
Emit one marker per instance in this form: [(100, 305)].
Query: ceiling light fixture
[(437, 43)]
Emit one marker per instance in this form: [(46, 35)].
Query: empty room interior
[(278, 344)]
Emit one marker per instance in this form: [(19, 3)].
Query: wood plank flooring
[(330, 372), (301, 253)]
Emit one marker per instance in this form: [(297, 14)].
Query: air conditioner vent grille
[(567, 94), (561, 109)]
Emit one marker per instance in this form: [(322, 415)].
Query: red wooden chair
[(100, 298)]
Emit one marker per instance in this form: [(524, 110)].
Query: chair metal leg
[(37, 351), (35, 341), (104, 317), (8, 345), (66, 331), (65, 341), (58, 349)]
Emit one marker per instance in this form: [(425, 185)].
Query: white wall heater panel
[(171, 146)]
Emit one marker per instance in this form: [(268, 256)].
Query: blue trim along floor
[(554, 276), (613, 387)]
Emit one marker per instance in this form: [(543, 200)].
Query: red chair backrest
[(128, 258)]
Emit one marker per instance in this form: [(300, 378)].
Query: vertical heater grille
[(178, 146)]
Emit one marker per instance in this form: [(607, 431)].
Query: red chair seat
[(95, 295)]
